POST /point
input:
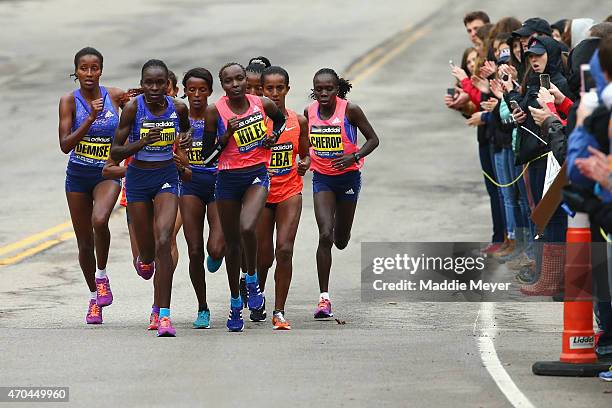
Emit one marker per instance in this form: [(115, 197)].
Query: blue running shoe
[(234, 321), (606, 375), (213, 265), (203, 320), (259, 315), (256, 298)]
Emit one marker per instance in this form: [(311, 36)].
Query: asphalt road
[(423, 184)]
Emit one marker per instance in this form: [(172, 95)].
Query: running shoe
[(94, 313), (213, 265), (203, 320), (606, 375), (256, 298), (323, 309), (165, 328), (153, 321), (234, 321), (145, 271), (279, 322), (492, 248), (243, 292), (259, 315), (103, 292)]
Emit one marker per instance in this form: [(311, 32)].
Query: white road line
[(491, 361)]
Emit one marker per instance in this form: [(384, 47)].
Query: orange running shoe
[(279, 322), (153, 321)]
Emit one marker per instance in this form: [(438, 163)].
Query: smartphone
[(545, 81), (450, 91), (586, 80), (514, 106), (450, 62)]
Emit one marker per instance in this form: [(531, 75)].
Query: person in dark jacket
[(544, 57)]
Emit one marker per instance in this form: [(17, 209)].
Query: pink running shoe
[(145, 271), (165, 328), (323, 309), (94, 313), (153, 321), (103, 292)]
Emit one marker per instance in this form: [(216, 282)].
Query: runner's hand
[(303, 166), (343, 162), (96, 107), (232, 125), (154, 135), (268, 142), (185, 140)]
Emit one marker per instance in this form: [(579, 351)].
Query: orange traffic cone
[(578, 358)]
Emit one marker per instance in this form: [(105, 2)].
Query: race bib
[(326, 141), (195, 154), (168, 133), (251, 131), (281, 159), (93, 148)]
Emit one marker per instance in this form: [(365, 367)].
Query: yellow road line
[(34, 238), (372, 54), (36, 249), (391, 54)]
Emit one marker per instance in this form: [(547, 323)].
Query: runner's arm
[(113, 170), (185, 137), (356, 116), (304, 147), (120, 149), (68, 139)]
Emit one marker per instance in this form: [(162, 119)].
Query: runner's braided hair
[(155, 63), (261, 60), (255, 68), (275, 70), (81, 53), (201, 73), (344, 86), (230, 64)]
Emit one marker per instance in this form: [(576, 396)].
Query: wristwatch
[(357, 157)]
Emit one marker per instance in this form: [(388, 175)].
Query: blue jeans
[(485, 153), (504, 169)]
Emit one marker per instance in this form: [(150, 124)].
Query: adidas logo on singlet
[(335, 121), (350, 192), (173, 116), (166, 185), (255, 108), (109, 114), (257, 180)]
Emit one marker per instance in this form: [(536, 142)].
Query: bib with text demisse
[(251, 131), (281, 159), (168, 134), (93, 148), (326, 141)]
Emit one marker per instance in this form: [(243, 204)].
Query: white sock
[(242, 275), (100, 273), (93, 295), (325, 295)]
